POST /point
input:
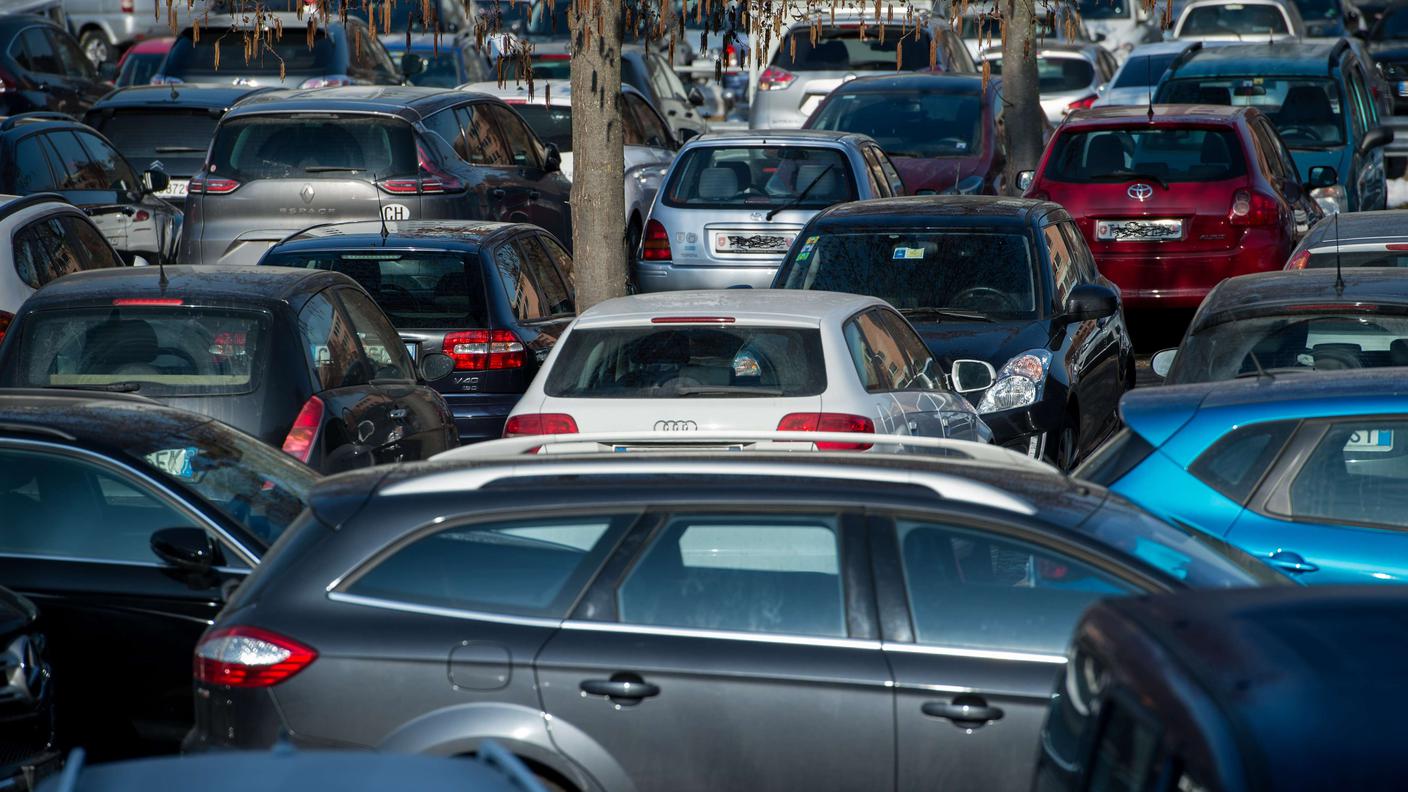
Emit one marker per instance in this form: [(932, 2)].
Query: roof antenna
[(1339, 275), (380, 210), (161, 274)]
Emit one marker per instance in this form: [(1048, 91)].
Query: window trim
[(1204, 458), (1272, 498)]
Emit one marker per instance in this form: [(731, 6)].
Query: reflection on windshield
[(761, 176), (1308, 113), (1320, 342), (909, 124)]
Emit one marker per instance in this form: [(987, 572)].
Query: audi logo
[(676, 426), (1140, 192)]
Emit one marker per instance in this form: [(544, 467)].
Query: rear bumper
[(1164, 278), (480, 416), (665, 276)]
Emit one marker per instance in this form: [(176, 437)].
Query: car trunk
[(1200, 208)]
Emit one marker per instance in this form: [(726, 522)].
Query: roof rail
[(33, 199), (35, 429), (77, 393), (1184, 56), (11, 122)]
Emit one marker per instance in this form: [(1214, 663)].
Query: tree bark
[(598, 153), (1022, 122)]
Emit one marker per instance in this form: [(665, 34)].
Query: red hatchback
[(1173, 204)]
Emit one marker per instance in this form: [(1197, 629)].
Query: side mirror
[(971, 376), (412, 64), (155, 180), (552, 162), (1025, 179), (436, 366), (188, 549), (1162, 362), (1091, 301), (695, 96), (1375, 138), (1323, 176), (1099, 37)]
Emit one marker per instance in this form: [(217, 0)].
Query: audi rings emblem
[(1140, 192), (676, 426)]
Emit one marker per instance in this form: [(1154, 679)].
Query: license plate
[(752, 243), (1372, 441), (1138, 230), (174, 462), (176, 189), (411, 349)]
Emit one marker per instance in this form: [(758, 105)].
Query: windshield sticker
[(173, 461), (905, 253), (807, 248)]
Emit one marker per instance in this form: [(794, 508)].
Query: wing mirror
[(436, 366), (971, 376), (1324, 175), (1162, 362), (1375, 138), (1025, 179), (187, 549), (1091, 301), (552, 161), (155, 180)]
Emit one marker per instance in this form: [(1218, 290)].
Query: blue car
[(1308, 471), (445, 61)]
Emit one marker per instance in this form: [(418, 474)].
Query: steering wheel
[(1303, 130), (983, 298)]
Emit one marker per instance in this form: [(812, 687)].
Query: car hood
[(996, 342), (938, 173), (1309, 158)]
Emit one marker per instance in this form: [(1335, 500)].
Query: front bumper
[(1026, 429), (666, 276), (480, 416)]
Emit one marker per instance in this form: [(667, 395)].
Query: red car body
[(1247, 222)]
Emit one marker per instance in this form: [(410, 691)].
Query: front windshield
[(250, 483), (760, 177), (1233, 20), (964, 270), (1309, 113), (910, 123), (1292, 343), (1105, 9)]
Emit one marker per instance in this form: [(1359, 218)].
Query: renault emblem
[(307, 193), (1140, 192)]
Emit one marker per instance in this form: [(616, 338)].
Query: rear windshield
[(843, 49), (193, 61), (1142, 70), (1293, 343), (960, 270), (441, 70), (178, 140), (1158, 154), (1058, 74), (1307, 112), (1233, 19), (724, 177), (153, 351), (313, 144), (556, 67), (552, 124), (909, 123), (1385, 258), (415, 290), (689, 362)]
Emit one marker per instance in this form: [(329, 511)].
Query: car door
[(547, 192), (78, 71), (33, 49), (732, 651), (358, 419), (83, 180), (990, 610), (121, 623)]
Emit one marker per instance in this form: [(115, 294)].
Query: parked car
[(27, 700), (1141, 72), (1318, 98), (43, 68), (303, 360), (1328, 18), (109, 28), (817, 53), (49, 153), (1388, 43), (443, 61), (43, 237), (126, 522), (449, 18), (649, 143), (632, 621), (166, 127), (494, 297), (1217, 20), (650, 72), (979, 25), (1069, 77), (1172, 205), (1121, 25), (1361, 239), (1216, 690), (734, 201), (283, 161), (940, 131), (141, 61), (1008, 282)]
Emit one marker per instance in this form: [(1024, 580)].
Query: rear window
[(1058, 74), (1233, 19), (178, 140), (1158, 154), (723, 177), (313, 144), (689, 362), (1142, 70), (845, 49), (1307, 112), (1319, 340), (414, 289), (552, 124), (192, 61), (154, 351), (1320, 259), (909, 123)]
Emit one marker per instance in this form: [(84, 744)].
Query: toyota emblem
[(676, 426), (307, 193), (1140, 192)]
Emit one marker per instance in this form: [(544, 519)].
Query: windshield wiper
[(943, 313), (801, 196), (109, 387), (179, 150), (330, 169), (718, 390), (1123, 175)]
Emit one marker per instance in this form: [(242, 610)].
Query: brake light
[(5, 319), (304, 432), (248, 657), (203, 183), (540, 424), (1083, 103), (829, 422), (129, 6), (1396, 246), (655, 244), (141, 216), (137, 301), (692, 320), (1251, 208), (1299, 260), (775, 78), (480, 350), (433, 179)]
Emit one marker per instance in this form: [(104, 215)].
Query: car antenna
[(161, 280), (1339, 274), (1149, 86), (380, 211), (1260, 372)]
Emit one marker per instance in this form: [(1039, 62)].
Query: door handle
[(1287, 561), (498, 192), (967, 711), (398, 414), (621, 688)]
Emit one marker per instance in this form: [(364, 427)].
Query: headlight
[(1331, 199), (1020, 382)]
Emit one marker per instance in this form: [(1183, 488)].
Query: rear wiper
[(717, 390), (943, 313), (330, 169), (179, 150), (802, 196), (109, 387), (1130, 176)]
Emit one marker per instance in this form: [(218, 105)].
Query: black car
[(301, 359), (1004, 280), (668, 621), (43, 68), (494, 297), (27, 717), (1354, 239), (1229, 691), (47, 152), (126, 522)]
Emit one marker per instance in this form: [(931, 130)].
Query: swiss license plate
[(751, 242), (411, 348), (1372, 441), (176, 189), (1138, 230)]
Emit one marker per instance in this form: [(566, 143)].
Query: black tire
[(1067, 448), (1395, 167), (632, 246), (96, 46)]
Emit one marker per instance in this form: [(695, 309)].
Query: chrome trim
[(727, 635), (432, 610), (978, 654), (111, 562)]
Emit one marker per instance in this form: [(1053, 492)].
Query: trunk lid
[(1200, 208)]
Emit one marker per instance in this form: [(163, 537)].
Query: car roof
[(1281, 288), (461, 235), (754, 136), (916, 81), (936, 210), (406, 101), (746, 306), (1350, 227), (89, 418), (557, 93), (1309, 58), (1078, 49), (260, 287), (213, 97), (1119, 115)]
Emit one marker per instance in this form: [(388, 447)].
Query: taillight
[(433, 179), (480, 350), (775, 78), (129, 6), (5, 319), (248, 657), (209, 185), (1083, 103), (655, 243), (829, 422), (304, 432), (540, 424), (228, 344), (1251, 208), (1299, 261)]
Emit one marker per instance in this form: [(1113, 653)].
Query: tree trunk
[(598, 154), (1022, 122)]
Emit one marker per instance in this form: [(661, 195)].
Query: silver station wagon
[(733, 203)]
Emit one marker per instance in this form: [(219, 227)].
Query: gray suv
[(284, 161)]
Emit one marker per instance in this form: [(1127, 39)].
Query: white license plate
[(1371, 441), (176, 189), (747, 242), (1138, 230)]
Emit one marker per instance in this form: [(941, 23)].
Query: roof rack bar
[(33, 199), (35, 430), (37, 115)]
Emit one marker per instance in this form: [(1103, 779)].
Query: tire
[(1064, 456), (632, 243), (96, 46)]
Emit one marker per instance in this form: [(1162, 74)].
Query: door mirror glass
[(1323, 176), (436, 366), (552, 161), (1091, 301), (412, 64), (190, 549), (1162, 362), (970, 376), (1025, 179), (155, 180)]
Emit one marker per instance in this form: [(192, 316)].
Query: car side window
[(1265, 138), (77, 168), (878, 182), (31, 167), (524, 297), (538, 266), (920, 370), (528, 568), (446, 124), (1359, 104), (75, 63), (653, 129), (330, 343), (93, 250), (1355, 475), (44, 251), (116, 172), (976, 590), (661, 69), (37, 53), (522, 143), (1064, 269), (756, 573), (1235, 463), (863, 357), (891, 175), (632, 132), (881, 363), (380, 341), (483, 144), (563, 259), (1086, 270)]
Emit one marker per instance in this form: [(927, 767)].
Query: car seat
[(120, 346), (718, 184)]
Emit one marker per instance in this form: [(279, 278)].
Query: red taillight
[(141, 216), (1299, 261), (228, 344), (304, 432), (129, 6), (433, 179), (540, 424), (775, 78), (1082, 103), (1251, 208), (203, 183), (139, 301), (5, 319), (1396, 246), (248, 657), (829, 422), (480, 350), (655, 244)]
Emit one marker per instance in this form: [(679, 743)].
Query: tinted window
[(757, 176), (414, 289), (219, 56), (76, 64), (176, 139), (37, 52), (748, 573), (139, 69), (886, 359), (1307, 112), (116, 172), (92, 250), (1121, 454), (1055, 75), (379, 339), (48, 249), (1065, 272), (552, 123), (76, 166), (842, 49), (653, 130), (313, 145), (1292, 343), (539, 267), (911, 123), (977, 591), (1234, 464), (1356, 474), (1329, 258), (524, 296), (688, 361), (1169, 154), (1233, 20), (441, 71), (484, 142), (524, 568), (332, 348), (523, 149), (29, 173)]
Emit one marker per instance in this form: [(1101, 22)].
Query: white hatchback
[(747, 359)]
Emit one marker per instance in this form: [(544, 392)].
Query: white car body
[(933, 412), (1295, 27), (20, 216)]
